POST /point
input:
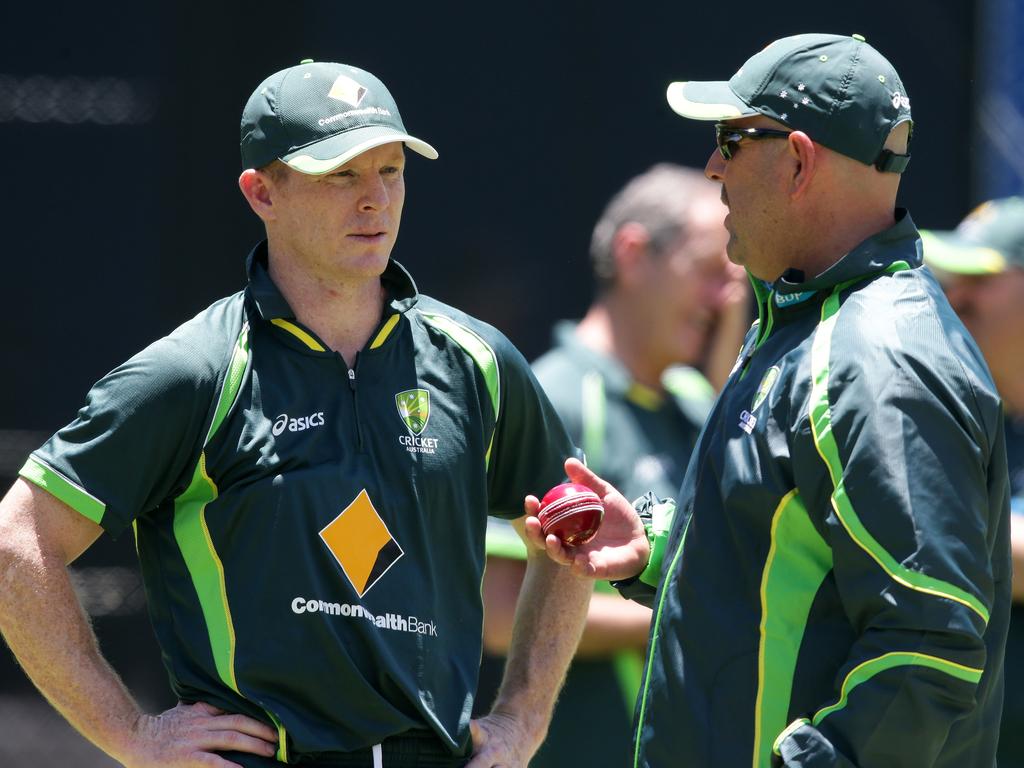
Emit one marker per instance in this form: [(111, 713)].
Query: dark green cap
[(988, 241), (317, 116), (838, 90)]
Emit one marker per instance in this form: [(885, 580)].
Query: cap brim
[(948, 252), (334, 151), (713, 100)]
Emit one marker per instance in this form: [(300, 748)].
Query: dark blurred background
[(123, 218)]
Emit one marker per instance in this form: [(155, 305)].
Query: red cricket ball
[(572, 512)]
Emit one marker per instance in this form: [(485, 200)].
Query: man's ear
[(258, 189), (629, 247), (806, 157)]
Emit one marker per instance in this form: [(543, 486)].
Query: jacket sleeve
[(904, 470)]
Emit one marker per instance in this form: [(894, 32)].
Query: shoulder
[(557, 367), (899, 331), (189, 362), (562, 379), (477, 338)]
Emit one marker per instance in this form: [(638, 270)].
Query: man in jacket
[(833, 588)]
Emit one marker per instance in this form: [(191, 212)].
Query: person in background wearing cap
[(307, 467), (833, 587), (981, 266), (667, 297)]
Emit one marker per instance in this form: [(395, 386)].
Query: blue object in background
[(999, 170)]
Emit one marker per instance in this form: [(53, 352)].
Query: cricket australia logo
[(765, 388), (414, 409)]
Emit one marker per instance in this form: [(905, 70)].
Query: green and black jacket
[(312, 536), (836, 581)]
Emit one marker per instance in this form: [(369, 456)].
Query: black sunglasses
[(728, 137)]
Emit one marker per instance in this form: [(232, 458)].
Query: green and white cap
[(838, 90), (317, 116), (988, 241)]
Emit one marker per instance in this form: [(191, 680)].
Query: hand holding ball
[(572, 512)]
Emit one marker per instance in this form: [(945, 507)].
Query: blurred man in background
[(981, 266), (623, 383)]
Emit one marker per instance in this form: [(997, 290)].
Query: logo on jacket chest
[(414, 409), (747, 418)]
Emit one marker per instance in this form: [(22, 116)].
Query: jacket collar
[(900, 242)]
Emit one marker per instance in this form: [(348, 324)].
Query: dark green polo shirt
[(637, 439), (312, 536)]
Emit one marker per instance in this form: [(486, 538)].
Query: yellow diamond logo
[(361, 543), (348, 90)]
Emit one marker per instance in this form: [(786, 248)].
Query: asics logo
[(301, 424)]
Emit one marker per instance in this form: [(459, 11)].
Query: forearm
[(550, 615), (43, 623)]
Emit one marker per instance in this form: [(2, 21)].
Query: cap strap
[(889, 161)]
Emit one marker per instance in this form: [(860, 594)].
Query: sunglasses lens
[(727, 141)]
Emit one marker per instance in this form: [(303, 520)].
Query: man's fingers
[(234, 741), (578, 472), (203, 708), (246, 725)]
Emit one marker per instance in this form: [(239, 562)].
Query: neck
[(607, 331), (832, 234), (344, 313)]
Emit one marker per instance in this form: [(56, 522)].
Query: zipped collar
[(400, 287), (900, 242)]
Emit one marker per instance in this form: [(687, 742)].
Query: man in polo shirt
[(981, 266), (833, 588), (666, 297), (307, 467)]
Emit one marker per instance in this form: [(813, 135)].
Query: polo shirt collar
[(400, 287), (617, 379)]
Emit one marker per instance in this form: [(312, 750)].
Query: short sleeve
[(530, 443), (132, 444)]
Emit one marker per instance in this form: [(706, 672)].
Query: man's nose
[(375, 195), (714, 169)]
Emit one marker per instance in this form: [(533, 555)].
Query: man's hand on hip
[(189, 735)]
